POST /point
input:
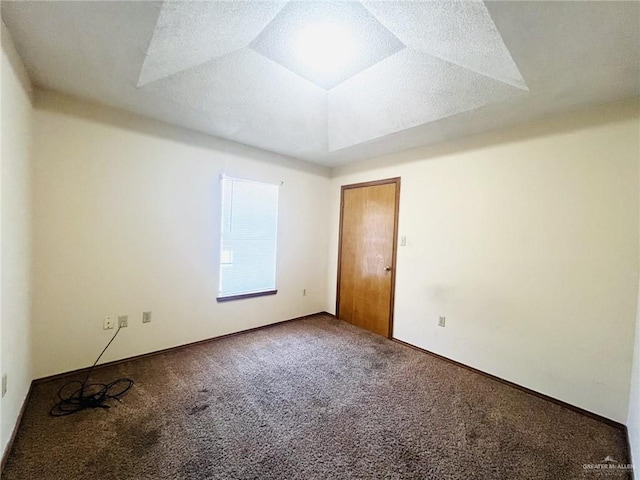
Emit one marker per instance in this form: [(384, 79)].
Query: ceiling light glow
[(325, 47)]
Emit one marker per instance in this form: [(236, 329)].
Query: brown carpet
[(311, 399)]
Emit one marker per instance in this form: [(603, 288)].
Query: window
[(248, 240)]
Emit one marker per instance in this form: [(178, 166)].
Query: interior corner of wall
[(15, 61)]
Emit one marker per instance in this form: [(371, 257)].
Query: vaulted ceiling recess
[(333, 81), (369, 69)]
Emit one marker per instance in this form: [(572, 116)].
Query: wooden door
[(367, 253)]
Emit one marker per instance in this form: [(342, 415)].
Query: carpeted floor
[(310, 399)]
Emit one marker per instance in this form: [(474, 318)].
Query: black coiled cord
[(90, 395)]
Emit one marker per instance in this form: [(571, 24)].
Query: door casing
[(395, 180)]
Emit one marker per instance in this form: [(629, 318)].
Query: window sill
[(246, 295)]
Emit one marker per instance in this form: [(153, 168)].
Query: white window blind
[(249, 235)]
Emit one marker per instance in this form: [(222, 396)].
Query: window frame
[(239, 296)]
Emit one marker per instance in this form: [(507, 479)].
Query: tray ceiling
[(331, 82)]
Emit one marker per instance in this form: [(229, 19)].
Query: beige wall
[(15, 238), (633, 416), (527, 241), (127, 215)]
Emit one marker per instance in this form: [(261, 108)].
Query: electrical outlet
[(109, 322), (4, 384), (304, 292), (146, 317), (123, 321), (441, 321)]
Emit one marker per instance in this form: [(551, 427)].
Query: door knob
[(387, 268)]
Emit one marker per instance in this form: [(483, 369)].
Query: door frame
[(396, 214)]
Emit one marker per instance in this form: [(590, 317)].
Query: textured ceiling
[(420, 72), (189, 34), (373, 41)]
